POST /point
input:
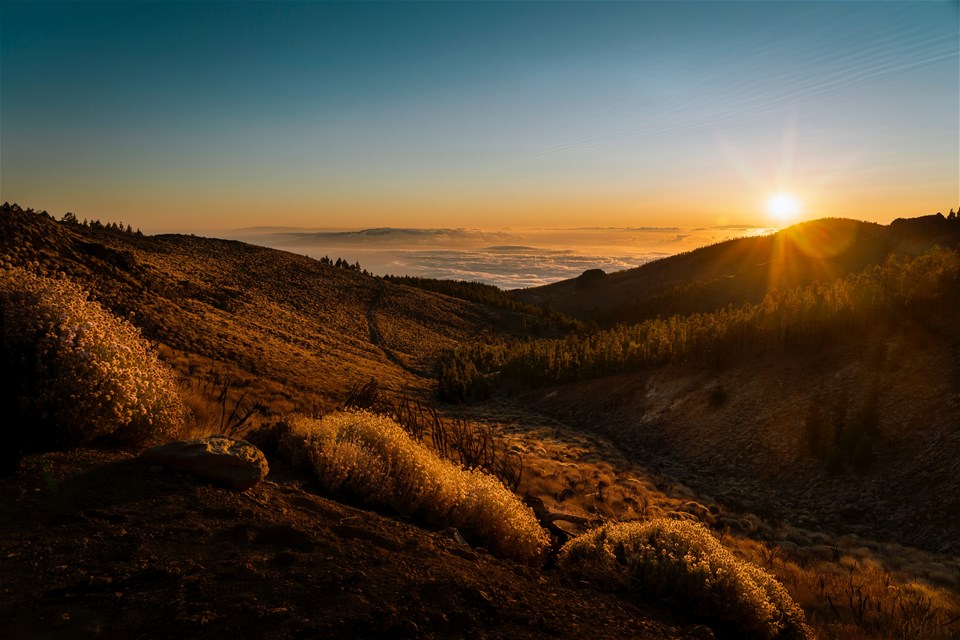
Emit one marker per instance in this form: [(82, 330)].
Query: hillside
[(738, 435), (95, 546), (834, 403), (291, 330), (742, 270)]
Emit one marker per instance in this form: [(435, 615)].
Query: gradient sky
[(193, 116)]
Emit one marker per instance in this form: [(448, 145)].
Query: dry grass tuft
[(77, 370), (372, 459), (470, 444), (682, 563), (860, 595), (219, 404)]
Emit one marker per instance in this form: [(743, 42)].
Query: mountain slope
[(739, 434), (716, 440), (742, 270), (291, 329)]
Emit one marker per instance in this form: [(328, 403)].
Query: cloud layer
[(507, 258)]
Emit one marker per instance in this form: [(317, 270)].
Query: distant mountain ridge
[(386, 235), (741, 270)]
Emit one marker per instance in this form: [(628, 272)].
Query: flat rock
[(232, 463)]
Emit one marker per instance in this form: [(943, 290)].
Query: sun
[(783, 207)]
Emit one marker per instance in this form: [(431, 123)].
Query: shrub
[(682, 563), (73, 371), (371, 458), (469, 444)]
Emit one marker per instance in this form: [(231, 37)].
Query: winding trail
[(376, 338)]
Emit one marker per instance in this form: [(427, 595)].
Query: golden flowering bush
[(77, 371), (370, 457), (683, 563)]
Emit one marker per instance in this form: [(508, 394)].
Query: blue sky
[(204, 115)]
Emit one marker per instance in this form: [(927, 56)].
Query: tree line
[(924, 288), (114, 227), (340, 263)]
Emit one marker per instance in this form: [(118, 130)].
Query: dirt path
[(376, 337)]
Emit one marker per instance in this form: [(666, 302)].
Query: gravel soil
[(97, 544)]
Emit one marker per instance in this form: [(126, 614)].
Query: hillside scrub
[(74, 372), (870, 592), (372, 459), (924, 289), (682, 563)]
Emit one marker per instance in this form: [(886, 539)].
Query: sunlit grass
[(858, 593), (372, 459), (84, 372), (681, 562)]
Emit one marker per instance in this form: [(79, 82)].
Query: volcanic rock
[(232, 463)]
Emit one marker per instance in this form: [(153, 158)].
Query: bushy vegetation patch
[(858, 590), (73, 372), (372, 459), (469, 444), (681, 563)]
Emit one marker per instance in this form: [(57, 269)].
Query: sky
[(204, 116)]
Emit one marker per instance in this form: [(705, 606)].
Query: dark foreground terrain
[(95, 544)]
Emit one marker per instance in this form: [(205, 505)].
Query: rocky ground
[(98, 543), (747, 454)]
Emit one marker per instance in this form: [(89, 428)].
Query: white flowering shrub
[(74, 371), (682, 563), (371, 458)]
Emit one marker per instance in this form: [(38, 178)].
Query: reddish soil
[(96, 544)]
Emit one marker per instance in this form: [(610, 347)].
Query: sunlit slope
[(742, 270), (887, 464), (296, 329)]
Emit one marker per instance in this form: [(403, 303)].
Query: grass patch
[(866, 593), (682, 564), (372, 459), (73, 372)]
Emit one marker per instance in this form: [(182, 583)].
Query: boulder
[(232, 463)]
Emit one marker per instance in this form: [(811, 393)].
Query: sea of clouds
[(507, 258)]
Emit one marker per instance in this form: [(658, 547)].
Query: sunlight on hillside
[(807, 251), (821, 241)]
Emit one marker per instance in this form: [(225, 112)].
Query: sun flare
[(783, 207)]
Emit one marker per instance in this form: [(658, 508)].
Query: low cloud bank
[(507, 258)]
